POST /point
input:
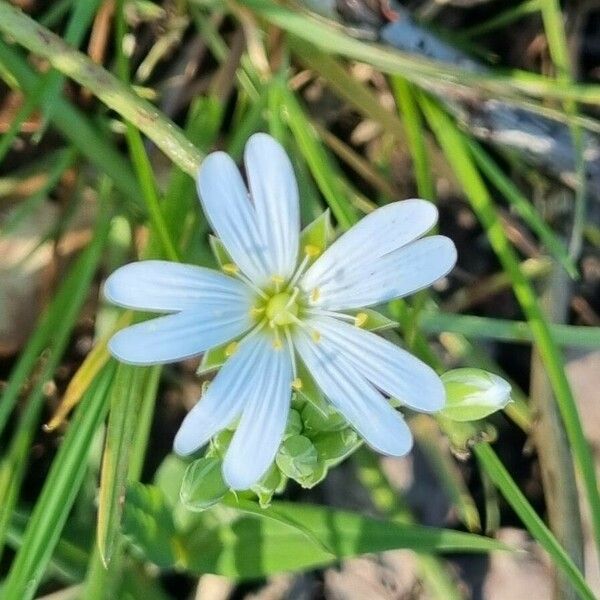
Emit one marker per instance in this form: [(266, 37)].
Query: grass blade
[(513, 495), (56, 326), (124, 406), (58, 494), (452, 141)]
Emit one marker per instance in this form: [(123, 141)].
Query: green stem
[(506, 330)]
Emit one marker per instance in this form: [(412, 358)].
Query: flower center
[(282, 308)]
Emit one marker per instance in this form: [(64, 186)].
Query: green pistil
[(282, 309)]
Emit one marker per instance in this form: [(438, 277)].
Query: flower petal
[(224, 399), (158, 285), (405, 271), (394, 371), (274, 191), (361, 404), (259, 433), (232, 216), (174, 337), (379, 233)]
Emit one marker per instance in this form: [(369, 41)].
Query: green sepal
[(310, 392), (315, 477), (375, 320), (220, 442), (317, 233), (272, 483), (203, 485), (219, 251), (464, 435), (213, 359)]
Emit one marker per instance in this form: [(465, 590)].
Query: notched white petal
[(175, 337), (274, 192), (224, 399), (379, 233), (362, 405), (259, 433), (158, 285), (397, 274), (228, 208), (392, 370)]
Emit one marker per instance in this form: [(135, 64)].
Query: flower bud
[(298, 459), (473, 394), (203, 484)]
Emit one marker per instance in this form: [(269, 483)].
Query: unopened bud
[(298, 458), (473, 394), (203, 485)]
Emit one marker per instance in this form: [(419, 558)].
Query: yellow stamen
[(315, 295), (230, 268), (297, 384), (316, 336), (311, 250), (360, 319), (231, 348), (277, 343), (278, 281)]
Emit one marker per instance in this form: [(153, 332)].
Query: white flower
[(281, 307)]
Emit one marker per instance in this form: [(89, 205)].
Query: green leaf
[(452, 141), (260, 546), (319, 162), (52, 335), (125, 404), (517, 500), (58, 494), (148, 521), (118, 96), (75, 127)]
